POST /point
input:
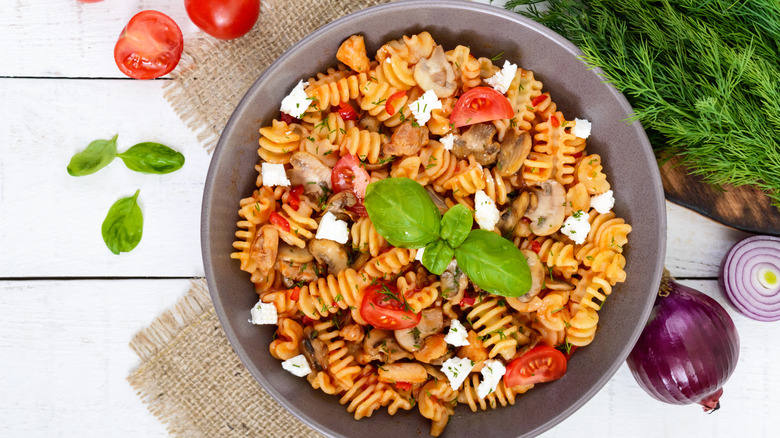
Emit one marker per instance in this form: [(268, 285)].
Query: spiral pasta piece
[(589, 172), (286, 307), (608, 231), (338, 91), (396, 71), (288, 338), (333, 128), (277, 142), (537, 168), (521, 94), (596, 293), (369, 394), (582, 327), (554, 254), (439, 164), (366, 145), (326, 296), (502, 396), (553, 313), (365, 237), (435, 403), (325, 382), (469, 180), (341, 365), (409, 48), (299, 225), (439, 123), (552, 138), (496, 187), (495, 327), (418, 298), (389, 263), (467, 68)]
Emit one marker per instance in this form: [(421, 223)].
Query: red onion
[(687, 350), (750, 275)]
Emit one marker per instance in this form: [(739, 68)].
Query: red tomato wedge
[(346, 111), (348, 174), (279, 220), (480, 104), (149, 46), (540, 364), (382, 308), (223, 19)]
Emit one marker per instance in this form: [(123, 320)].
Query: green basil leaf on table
[(96, 156), (456, 225), (150, 157), (123, 226), (494, 264), (402, 212), (437, 256)]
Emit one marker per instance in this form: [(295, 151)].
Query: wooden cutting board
[(745, 208)]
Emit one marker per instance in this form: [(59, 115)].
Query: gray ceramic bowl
[(577, 90)]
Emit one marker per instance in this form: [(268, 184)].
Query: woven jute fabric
[(213, 75), (190, 377)]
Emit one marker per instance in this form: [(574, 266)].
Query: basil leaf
[(150, 157), (494, 264), (402, 212), (456, 225), (96, 156), (123, 226), (437, 256)]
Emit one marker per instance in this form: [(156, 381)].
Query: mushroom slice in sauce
[(407, 139), (432, 322), (339, 204), (435, 73), (314, 349), (293, 254), (478, 141), (537, 278), (547, 217), (264, 248), (512, 215), (381, 345), (308, 171), (514, 150), (331, 253)]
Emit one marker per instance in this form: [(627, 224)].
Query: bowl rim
[(499, 13)]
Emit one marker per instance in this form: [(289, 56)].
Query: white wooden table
[(68, 307)]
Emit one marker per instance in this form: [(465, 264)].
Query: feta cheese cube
[(422, 107), (448, 141), (492, 373), (576, 226), (274, 175), (264, 313), (419, 255), (457, 370), (485, 212), (604, 202), (501, 81), (457, 336), (581, 128), (332, 228), (296, 102), (298, 366)]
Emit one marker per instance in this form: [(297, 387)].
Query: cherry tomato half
[(149, 46), (382, 308), (540, 364), (224, 19), (480, 104), (348, 174)]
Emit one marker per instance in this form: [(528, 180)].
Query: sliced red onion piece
[(750, 276)]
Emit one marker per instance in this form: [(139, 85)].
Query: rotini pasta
[(376, 328)]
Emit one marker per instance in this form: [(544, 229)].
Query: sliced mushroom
[(435, 73), (433, 348), (370, 123), (514, 150), (453, 283), (381, 345), (547, 217), (293, 254), (314, 349), (431, 322), (407, 139), (331, 253), (537, 279), (339, 203), (264, 248), (437, 199), (295, 272), (477, 141), (512, 215), (403, 372), (309, 171)]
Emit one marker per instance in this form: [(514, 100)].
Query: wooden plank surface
[(65, 356)]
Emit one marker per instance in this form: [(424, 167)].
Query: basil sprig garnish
[(123, 227), (147, 157), (404, 214)]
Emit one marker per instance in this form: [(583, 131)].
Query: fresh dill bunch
[(702, 76)]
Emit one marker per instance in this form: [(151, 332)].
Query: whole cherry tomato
[(149, 46), (223, 19), (480, 104)]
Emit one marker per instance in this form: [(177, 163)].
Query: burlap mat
[(190, 377)]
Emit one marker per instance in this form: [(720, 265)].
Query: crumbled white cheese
[(581, 128), (419, 254), (604, 202), (264, 313), (457, 370), (274, 175), (298, 365), (503, 79), (296, 102), (457, 336), (492, 373), (485, 212), (422, 107), (332, 228), (448, 141), (576, 226)]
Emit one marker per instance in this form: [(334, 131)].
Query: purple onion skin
[(688, 349)]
